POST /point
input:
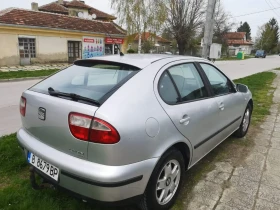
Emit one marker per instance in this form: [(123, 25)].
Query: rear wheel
[(165, 182), (246, 120)]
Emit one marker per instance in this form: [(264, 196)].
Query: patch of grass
[(260, 86), (16, 192), (24, 74), (277, 68)]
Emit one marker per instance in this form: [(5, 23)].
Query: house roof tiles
[(22, 17), (63, 8), (54, 7)]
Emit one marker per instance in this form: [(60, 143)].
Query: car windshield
[(92, 80)]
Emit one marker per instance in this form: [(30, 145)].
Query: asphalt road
[(244, 68), (10, 92)]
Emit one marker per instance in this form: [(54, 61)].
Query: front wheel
[(246, 120), (165, 182)]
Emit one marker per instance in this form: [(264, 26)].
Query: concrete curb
[(22, 79)]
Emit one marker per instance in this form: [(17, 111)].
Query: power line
[(272, 7), (277, 2), (256, 12)]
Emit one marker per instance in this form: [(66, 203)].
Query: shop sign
[(93, 47), (113, 40)]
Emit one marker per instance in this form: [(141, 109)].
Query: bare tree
[(140, 15), (185, 18)]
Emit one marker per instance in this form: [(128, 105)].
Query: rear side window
[(188, 82), (181, 83), (93, 80), (167, 90)]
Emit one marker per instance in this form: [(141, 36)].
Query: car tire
[(245, 123), (155, 199)]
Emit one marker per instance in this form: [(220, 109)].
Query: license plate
[(43, 166)]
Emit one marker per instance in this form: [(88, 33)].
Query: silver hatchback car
[(125, 128)]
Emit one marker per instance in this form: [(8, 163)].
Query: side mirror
[(241, 88)]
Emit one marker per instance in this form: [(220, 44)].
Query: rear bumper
[(91, 180)]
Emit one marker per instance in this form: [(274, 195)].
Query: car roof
[(142, 60)]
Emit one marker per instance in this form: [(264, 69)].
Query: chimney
[(34, 6), (60, 1)]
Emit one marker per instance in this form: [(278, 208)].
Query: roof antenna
[(121, 53)]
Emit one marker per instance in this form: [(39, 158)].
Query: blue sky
[(234, 7)]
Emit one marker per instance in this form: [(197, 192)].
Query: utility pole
[(209, 27)]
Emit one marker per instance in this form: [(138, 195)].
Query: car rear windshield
[(91, 79), (260, 51)]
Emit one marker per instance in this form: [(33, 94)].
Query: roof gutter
[(60, 29)]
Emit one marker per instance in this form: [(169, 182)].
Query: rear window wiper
[(73, 96)]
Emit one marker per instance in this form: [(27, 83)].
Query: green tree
[(147, 46), (269, 37), (245, 27)]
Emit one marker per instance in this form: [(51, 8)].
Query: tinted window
[(167, 90), (91, 81), (188, 82), (218, 81)]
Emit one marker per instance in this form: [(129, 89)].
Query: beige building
[(61, 31)]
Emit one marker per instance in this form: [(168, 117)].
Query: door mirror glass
[(241, 88)]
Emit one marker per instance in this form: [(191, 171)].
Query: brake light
[(22, 106), (103, 133), (91, 129)]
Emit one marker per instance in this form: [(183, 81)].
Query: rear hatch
[(81, 89)]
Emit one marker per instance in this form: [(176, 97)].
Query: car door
[(230, 102), (186, 99)]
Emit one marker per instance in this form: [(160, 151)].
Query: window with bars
[(27, 47)]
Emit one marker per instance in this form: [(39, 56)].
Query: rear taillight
[(103, 133), (91, 129), (22, 106)]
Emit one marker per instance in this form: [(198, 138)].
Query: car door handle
[(185, 120), (221, 106)]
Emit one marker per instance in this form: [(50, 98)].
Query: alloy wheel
[(246, 120), (168, 182)]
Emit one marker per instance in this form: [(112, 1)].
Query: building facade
[(61, 31), (237, 42)]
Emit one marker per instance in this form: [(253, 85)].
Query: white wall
[(9, 54), (52, 49), (245, 48)]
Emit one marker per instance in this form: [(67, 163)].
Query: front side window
[(93, 80), (219, 83)]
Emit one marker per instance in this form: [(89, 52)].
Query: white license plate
[(43, 166)]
